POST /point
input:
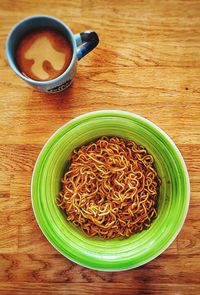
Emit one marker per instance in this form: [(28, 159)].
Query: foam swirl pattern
[(116, 254)]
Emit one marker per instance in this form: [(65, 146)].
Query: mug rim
[(10, 58)]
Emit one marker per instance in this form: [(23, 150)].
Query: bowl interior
[(115, 254)]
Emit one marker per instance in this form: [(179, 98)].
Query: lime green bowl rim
[(133, 115)]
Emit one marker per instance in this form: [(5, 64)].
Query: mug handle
[(89, 39)]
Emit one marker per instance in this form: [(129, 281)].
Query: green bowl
[(115, 254)]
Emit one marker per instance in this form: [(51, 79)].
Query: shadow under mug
[(88, 39)]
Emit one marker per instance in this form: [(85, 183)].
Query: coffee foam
[(44, 55)]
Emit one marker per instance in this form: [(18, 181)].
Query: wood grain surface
[(147, 62)]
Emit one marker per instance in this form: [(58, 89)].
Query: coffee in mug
[(44, 52), (43, 55)]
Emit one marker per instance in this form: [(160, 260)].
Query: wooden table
[(147, 62)]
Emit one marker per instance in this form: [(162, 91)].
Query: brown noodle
[(111, 188)]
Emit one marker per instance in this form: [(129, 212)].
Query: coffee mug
[(81, 43)]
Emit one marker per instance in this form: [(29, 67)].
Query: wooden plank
[(5, 158), (189, 237), (41, 268), (191, 152), (164, 91), (4, 184), (145, 54), (9, 239), (20, 184), (181, 83), (193, 212), (32, 241), (16, 211), (138, 8), (169, 21), (147, 288), (18, 157)]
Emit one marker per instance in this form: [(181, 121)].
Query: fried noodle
[(110, 189)]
